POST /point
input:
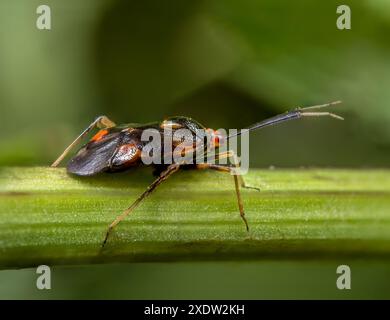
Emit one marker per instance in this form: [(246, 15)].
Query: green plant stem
[(50, 217)]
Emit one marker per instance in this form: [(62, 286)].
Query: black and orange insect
[(119, 147)]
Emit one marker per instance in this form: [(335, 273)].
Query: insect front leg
[(228, 169), (233, 158), (101, 122), (163, 176)]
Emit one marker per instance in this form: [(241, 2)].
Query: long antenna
[(291, 115)]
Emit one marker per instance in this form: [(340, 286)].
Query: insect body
[(117, 148)]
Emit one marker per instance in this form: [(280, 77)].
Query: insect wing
[(94, 157)]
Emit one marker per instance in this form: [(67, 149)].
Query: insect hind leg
[(163, 176), (101, 122)]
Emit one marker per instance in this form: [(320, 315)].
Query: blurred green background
[(225, 63)]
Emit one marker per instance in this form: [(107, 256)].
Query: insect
[(119, 147)]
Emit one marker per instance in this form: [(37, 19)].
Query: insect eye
[(219, 138), (216, 137)]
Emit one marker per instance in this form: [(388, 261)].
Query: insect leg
[(100, 122), (233, 158), (227, 169), (163, 176)]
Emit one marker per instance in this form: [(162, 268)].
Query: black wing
[(95, 157)]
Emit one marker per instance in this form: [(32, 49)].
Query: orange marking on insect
[(167, 124), (99, 135), (216, 137), (128, 154)]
